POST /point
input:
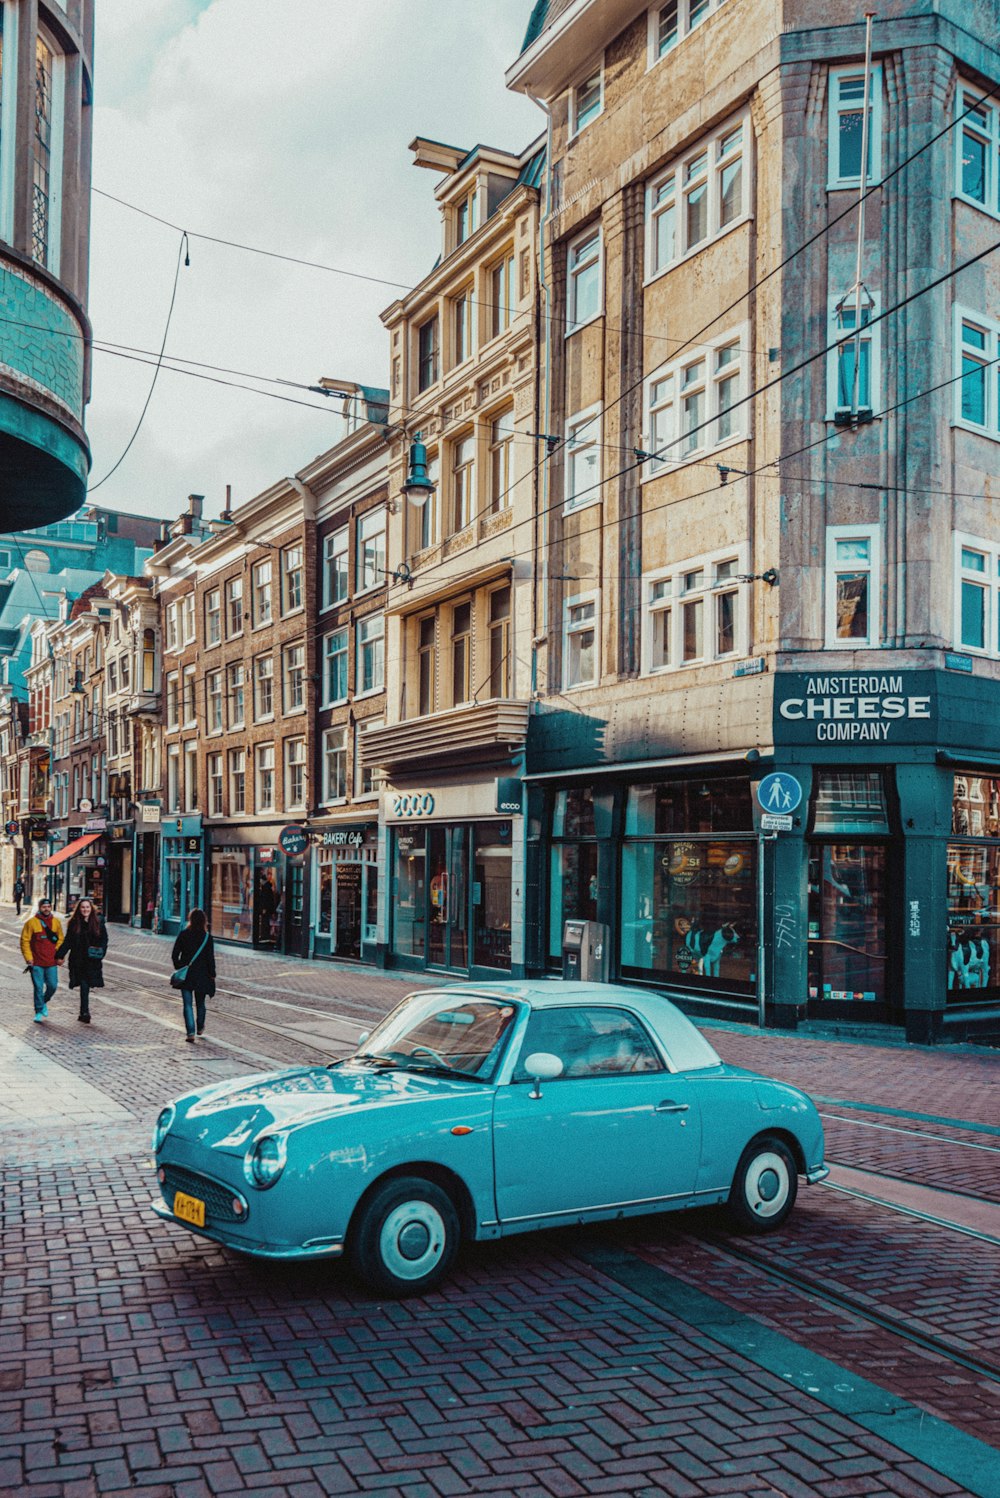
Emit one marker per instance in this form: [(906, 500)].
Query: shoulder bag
[(178, 978)]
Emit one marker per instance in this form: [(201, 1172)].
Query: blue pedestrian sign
[(779, 793)]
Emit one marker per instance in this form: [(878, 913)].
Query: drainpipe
[(540, 624)]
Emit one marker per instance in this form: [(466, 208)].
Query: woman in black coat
[(195, 950), (86, 943)]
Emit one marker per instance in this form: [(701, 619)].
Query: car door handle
[(669, 1106)]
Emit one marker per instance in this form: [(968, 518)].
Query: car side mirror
[(542, 1066), (363, 1036)]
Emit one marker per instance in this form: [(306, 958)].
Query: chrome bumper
[(317, 1248), (817, 1173)]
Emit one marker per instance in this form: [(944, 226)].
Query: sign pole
[(761, 947)]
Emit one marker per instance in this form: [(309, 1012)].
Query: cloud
[(285, 128)]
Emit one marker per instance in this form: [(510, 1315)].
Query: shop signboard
[(340, 837), (150, 811), (509, 794), (12, 829), (857, 707), (294, 840)]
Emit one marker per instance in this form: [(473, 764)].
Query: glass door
[(847, 929), (448, 892)]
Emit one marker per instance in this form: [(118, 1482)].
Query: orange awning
[(69, 850)]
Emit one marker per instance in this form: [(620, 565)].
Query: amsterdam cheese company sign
[(864, 707)]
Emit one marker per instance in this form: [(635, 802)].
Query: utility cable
[(182, 249)]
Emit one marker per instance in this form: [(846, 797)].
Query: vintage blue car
[(476, 1111)]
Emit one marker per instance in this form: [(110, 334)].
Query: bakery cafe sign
[(866, 707)]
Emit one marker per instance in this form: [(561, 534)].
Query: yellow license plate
[(189, 1209)]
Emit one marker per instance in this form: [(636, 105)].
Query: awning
[(70, 849)]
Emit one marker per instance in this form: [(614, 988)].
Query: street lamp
[(418, 486)]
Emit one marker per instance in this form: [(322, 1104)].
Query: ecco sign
[(854, 709), (413, 804)]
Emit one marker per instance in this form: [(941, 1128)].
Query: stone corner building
[(807, 581)]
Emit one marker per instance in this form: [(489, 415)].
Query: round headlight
[(265, 1162), (162, 1129)]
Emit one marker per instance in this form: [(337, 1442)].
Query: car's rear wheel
[(764, 1186), (406, 1236)]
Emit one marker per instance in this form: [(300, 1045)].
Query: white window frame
[(684, 27), (871, 534), (231, 685), (592, 234), (233, 592), (173, 777), (190, 776), (360, 729), (295, 769), (189, 696), (836, 107), (576, 124), (259, 619), (666, 437), (337, 544), (989, 581), (873, 337), (216, 784), (987, 357), (708, 592), (988, 132), (583, 435), (718, 163), (362, 642), (570, 628), (256, 678), (188, 604), (287, 669), (212, 680), (264, 789), (172, 700), (370, 527), (171, 629), (236, 765), (328, 652), (288, 571), (213, 616), (338, 730)]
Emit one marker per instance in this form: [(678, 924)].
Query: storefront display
[(451, 896), (973, 943), (231, 885), (848, 886), (346, 898)]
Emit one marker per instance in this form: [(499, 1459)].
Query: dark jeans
[(190, 1000), (84, 998)]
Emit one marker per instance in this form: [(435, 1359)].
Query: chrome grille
[(218, 1198)]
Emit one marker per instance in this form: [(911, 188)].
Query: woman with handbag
[(86, 943), (193, 958)]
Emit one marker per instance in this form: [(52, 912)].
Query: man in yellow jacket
[(40, 936)]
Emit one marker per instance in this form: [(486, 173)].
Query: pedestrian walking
[(193, 958), (86, 945), (18, 892), (41, 936)]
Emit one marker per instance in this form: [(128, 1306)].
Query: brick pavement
[(137, 1359)]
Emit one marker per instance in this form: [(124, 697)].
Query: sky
[(285, 127)]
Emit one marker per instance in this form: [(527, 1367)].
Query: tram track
[(818, 1289)]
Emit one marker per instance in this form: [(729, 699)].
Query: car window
[(590, 1042), (467, 1034)]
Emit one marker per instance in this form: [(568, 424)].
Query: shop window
[(847, 95), (577, 817), (491, 896), (847, 937), (583, 459), (583, 276), (335, 764), (580, 647), (852, 584), (261, 593), (231, 885), (849, 801), (977, 179), (689, 806), (587, 100), (336, 577)]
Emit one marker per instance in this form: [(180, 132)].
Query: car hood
[(228, 1116)]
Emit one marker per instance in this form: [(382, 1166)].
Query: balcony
[(479, 730)]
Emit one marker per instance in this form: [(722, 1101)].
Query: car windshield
[(428, 1032)]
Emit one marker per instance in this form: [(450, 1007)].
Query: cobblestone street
[(661, 1356)]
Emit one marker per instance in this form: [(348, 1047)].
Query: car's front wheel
[(764, 1186), (406, 1236)]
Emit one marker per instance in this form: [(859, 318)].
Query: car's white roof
[(686, 1044)]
